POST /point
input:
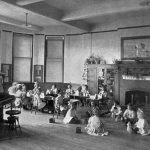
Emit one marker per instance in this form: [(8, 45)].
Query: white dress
[(95, 126), (143, 126), (18, 99), (12, 90), (69, 115), (38, 102)]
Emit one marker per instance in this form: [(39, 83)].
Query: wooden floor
[(41, 135)]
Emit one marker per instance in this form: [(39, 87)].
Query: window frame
[(31, 58), (54, 38)]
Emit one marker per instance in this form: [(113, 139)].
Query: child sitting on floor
[(71, 115), (116, 111), (129, 115), (92, 108), (141, 126), (95, 126)]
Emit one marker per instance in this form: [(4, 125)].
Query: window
[(54, 59), (22, 57)]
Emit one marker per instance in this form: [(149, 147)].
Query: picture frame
[(135, 48), (38, 73), (7, 70)]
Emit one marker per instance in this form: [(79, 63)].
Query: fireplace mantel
[(132, 75)]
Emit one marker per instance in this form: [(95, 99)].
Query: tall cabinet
[(98, 75)]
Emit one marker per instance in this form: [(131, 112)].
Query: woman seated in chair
[(18, 96), (37, 102), (13, 89), (53, 90), (71, 115)]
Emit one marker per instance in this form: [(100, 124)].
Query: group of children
[(24, 98), (19, 91), (135, 121)]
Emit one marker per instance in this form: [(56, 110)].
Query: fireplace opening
[(137, 97)]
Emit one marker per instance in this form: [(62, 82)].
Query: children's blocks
[(78, 129), (52, 120)]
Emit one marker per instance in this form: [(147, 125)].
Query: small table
[(83, 99), (50, 100), (75, 101)]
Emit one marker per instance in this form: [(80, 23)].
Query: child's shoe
[(105, 134)]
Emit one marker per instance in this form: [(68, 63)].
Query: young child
[(37, 102), (71, 115), (116, 111), (129, 115), (59, 106), (53, 90), (69, 90), (84, 91), (92, 108), (95, 126), (36, 87), (101, 92), (141, 126), (24, 92)]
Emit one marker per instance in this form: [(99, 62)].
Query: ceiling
[(82, 14)]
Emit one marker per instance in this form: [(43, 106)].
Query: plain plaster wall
[(104, 41)]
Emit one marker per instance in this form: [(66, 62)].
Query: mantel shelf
[(129, 77)]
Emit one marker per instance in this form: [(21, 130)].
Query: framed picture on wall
[(7, 69), (135, 47), (38, 73)]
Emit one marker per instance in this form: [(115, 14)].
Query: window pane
[(53, 71), (22, 45), (54, 49), (22, 69)]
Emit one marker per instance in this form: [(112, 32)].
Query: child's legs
[(112, 114), (135, 129), (131, 120)]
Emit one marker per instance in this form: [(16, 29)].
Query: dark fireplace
[(137, 97)]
